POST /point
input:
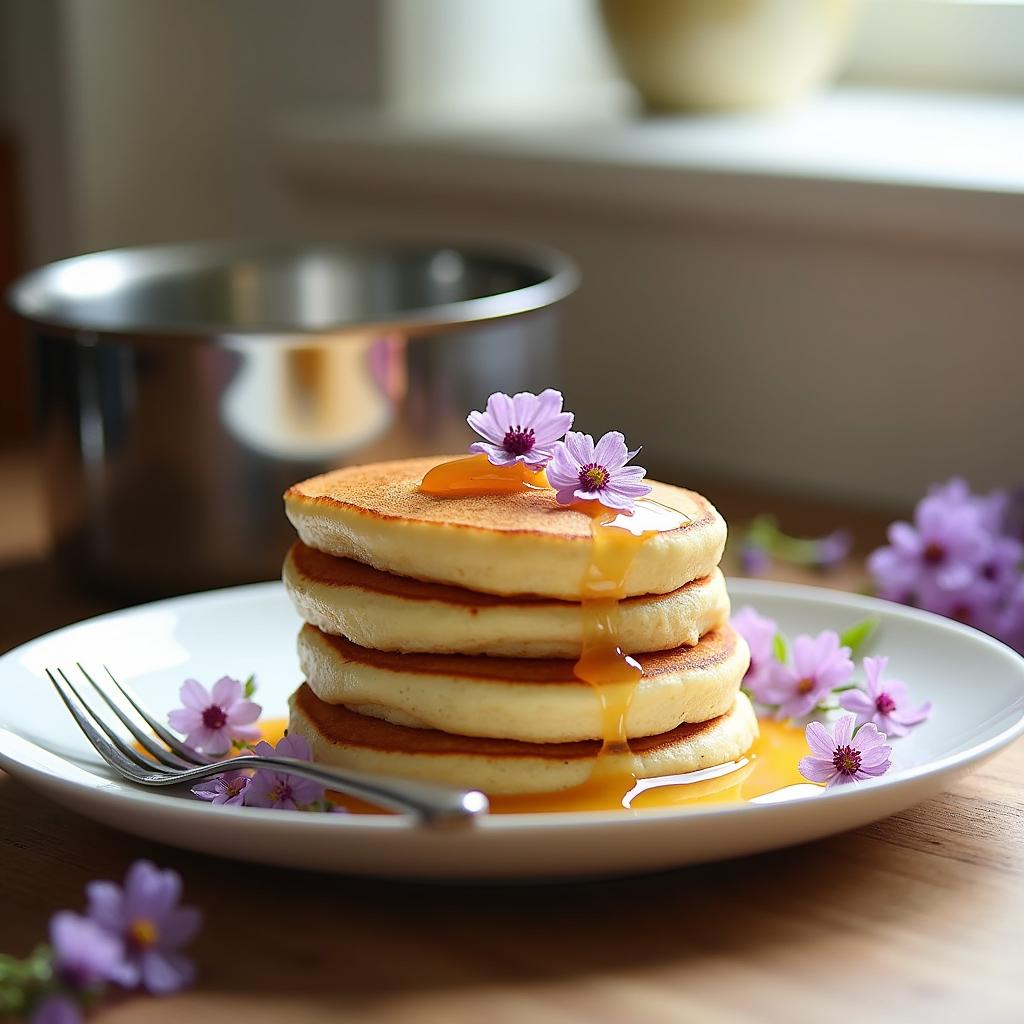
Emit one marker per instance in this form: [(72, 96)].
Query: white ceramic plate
[(976, 684)]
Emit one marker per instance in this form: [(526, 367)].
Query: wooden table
[(919, 917)]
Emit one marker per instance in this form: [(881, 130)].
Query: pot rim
[(34, 295)]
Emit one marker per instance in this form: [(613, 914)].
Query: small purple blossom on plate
[(840, 757), (520, 428), (885, 702), (85, 956), (820, 664), (146, 916), (276, 789), (583, 471), (228, 788), (56, 1009), (211, 721), (759, 631)]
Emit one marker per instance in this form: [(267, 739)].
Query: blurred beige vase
[(720, 54)]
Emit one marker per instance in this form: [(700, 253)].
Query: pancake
[(339, 736), (537, 700), (394, 613), (508, 544)]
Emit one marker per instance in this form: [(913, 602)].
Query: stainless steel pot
[(182, 388)]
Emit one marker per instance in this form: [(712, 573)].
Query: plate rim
[(116, 790)]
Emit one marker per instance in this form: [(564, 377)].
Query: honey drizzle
[(462, 478)]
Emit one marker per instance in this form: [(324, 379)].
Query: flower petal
[(163, 973), (842, 731), (819, 740), (226, 691), (486, 427), (244, 712), (580, 447), (816, 769), (56, 1009), (857, 701), (194, 695), (106, 905), (184, 720), (908, 717), (610, 451)]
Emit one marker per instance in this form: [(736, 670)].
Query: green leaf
[(250, 686), (781, 647), (858, 635)]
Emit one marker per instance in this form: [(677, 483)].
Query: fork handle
[(433, 804)]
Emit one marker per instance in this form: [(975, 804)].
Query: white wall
[(149, 120), (859, 365)]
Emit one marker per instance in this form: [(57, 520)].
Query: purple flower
[(754, 558), (271, 787), (884, 703), (832, 549), (820, 664), (84, 955), (945, 548), (1001, 569), (1010, 624), (991, 509), (212, 720), (974, 604), (521, 428), (759, 631), (840, 757), (581, 470), (227, 788), (146, 917), (56, 1010)]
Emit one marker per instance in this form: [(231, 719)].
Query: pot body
[(727, 54), (180, 396)]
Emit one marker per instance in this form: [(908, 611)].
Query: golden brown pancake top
[(337, 724), (390, 490), (332, 571), (714, 647)]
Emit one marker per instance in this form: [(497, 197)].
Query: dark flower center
[(518, 441), (214, 717), (989, 572), (961, 612), (885, 704), (593, 477), (934, 553), (281, 792), (846, 760), (143, 933), (805, 685)]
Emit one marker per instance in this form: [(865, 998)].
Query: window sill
[(858, 159)]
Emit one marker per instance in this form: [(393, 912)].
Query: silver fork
[(177, 764)]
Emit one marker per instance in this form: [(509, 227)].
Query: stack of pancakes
[(442, 633)]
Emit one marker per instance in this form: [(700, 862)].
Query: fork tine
[(155, 750), (125, 749), (106, 750), (168, 737)]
